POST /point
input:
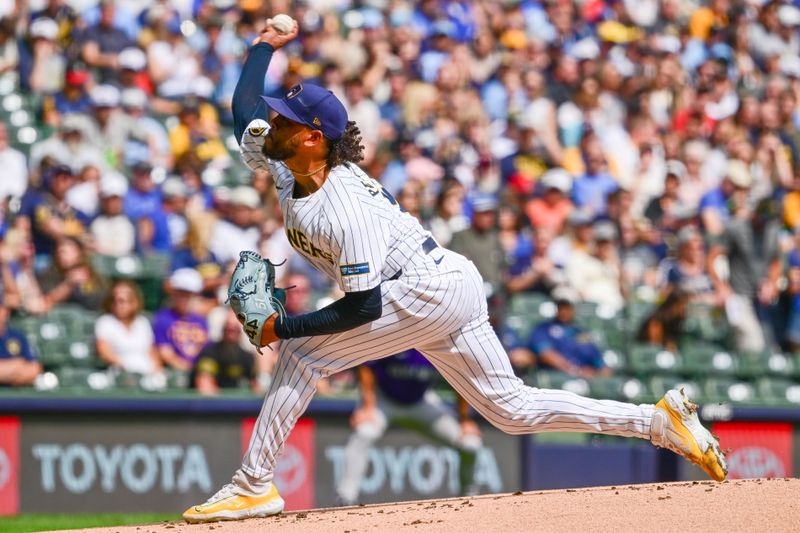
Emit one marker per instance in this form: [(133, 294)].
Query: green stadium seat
[(758, 364), (532, 305), (70, 377), (704, 360), (726, 389), (608, 388), (705, 323), (52, 353), (81, 353), (661, 383), (646, 359), (777, 391), (521, 325), (636, 312), (178, 379), (552, 379), (615, 360)]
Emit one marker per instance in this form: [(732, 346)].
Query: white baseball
[(282, 23)]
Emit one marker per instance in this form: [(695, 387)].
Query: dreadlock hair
[(347, 148)]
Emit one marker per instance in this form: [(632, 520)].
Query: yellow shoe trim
[(236, 502), (691, 449)]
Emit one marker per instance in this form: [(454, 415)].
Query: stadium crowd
[(600, 151)]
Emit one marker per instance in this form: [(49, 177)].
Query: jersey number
[(376, 188)]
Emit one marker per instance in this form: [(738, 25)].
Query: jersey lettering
[(299, 241)]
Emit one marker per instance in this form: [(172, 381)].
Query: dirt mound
[(750, 505)]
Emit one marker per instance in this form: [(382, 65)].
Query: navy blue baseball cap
[(314, 106)]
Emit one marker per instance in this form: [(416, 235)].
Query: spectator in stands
[(71, 279), (18, 364), (366, 113), (9, 293), (515, 240), (734, 189), (695, 181), (72, 98), (194, 253), (102, 43), (793, 275), (481, 243), (64, 15), (112, 231), (20, 256), (110, 126), (174, 198), (15, 168), (542, 274), (197, 130), (687, 270), (180, 333), (552, 208), (124, 337), (666, 211), (238, 230), (638, 254), (664, 326), (173, 66), (449, 217), (47, 215), (151, 142), (133, 73), (591, 189), (9, 50), (298, 297), (596, 275), (791, 205), (69, 145), (84, 196), (48, 61), (576, 239), (559, 344), (750, 242), (224, 364)]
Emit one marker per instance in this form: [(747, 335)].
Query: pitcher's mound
[(751, 505)]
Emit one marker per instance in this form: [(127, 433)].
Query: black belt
[(428, 245)]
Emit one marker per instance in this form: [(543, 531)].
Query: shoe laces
[(227, 490)]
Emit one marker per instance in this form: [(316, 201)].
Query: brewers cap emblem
[(316, 122), (294, 91)]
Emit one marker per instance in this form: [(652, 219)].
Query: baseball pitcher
[(402, 291)]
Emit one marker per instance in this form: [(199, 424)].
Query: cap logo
[(294, 91), (316, 122)]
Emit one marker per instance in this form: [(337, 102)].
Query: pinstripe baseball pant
[(437, 306)]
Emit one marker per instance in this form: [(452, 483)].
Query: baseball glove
[(253, 296)]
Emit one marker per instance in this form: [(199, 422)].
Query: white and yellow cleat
[(677, 428), (230, 504)]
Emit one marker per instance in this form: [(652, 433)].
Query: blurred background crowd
[(624, 173)]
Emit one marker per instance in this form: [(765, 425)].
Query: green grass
[(47, 522)]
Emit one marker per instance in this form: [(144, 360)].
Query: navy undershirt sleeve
[(355, 309), (247, 104)]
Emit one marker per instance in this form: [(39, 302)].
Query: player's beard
[(279, 152)]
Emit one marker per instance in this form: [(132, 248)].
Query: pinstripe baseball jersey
[(351, 228)]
